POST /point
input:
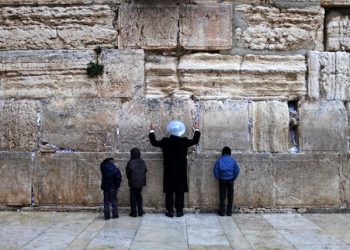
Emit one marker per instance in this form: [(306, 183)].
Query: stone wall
[(270, 79)]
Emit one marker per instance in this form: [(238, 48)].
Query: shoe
[(179, 214), (115, 217), (221, 213), (107, 218), (141, 213), (229, 213), (132, 215), (169, 214)]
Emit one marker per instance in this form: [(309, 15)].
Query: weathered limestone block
[(323, 126), (18, 125), (345, 177), (225, 123), (46, 73), (80, 124), (348, 109), (252, 76), (264, 28), (75, 178), (329, 75), (15, 178), (56, 2), (135, 118), (78, 27), (148, 27), (270, 126), (253, 188), (123, 73), (335, 3), (278, 3), (338, 31), (307, 180), (161, 76), (206, 27)]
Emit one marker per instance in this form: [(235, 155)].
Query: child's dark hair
[(107, 160), (226, 151)]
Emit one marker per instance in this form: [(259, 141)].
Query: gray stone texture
[(43, 27), (225, 123), (345, 177), (277, 3), (270, 126), (16, 172), (216, 76), (298, 179), (273, 29), (147, 26), (18, 125), (57, 2), (206, 27), (323, 126), (46, 73), (338, 31), (329, 75), (335, 3), (79, 124), (75, 179), (161, 76)]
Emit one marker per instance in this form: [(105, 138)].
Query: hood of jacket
[(135, 153)]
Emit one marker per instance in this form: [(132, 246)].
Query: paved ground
[(88, 230)]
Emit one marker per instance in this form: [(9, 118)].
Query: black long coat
[(136, 170), (175, 160)]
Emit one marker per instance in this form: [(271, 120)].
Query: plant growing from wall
[(95, 69)]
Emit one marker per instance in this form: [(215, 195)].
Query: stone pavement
[(88, 230)]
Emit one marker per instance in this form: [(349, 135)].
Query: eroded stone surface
[(329, 75), (253, 76), (18, 125), (338, 31), (56, 2), (335, 3), (80, 124), (298, 179), (323, 126), (270, 126), (123, 73), (46, 73), (161, 76), (345, 177), (225, 123), (44, 27), (265, 28), (148, 27), (206, 27), (15, 178)]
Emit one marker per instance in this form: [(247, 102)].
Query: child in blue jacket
[(226, 171)]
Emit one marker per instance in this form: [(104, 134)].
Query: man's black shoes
[(169, 214), (179, 214)]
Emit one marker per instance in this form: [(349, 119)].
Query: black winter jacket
[(111, 176), (136, 170)]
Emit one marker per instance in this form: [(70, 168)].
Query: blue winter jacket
[(226, 168)]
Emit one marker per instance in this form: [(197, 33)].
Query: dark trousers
[(179, 201), (136, 200), (110, 197), (226, 187)]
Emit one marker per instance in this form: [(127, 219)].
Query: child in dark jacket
[(111, 180), (226, 171), (136, 173)]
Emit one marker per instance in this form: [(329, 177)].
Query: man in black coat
[(111, 180), (175, 166)]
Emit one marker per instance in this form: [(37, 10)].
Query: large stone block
[(329, 75), (270, 126), (77, 27), (161, 76), (75, 178), (253, 188), (335, 3), (278, 3), (225, 123), (251, 76), (266, 28), (56, 2), (206, 27), (123, 73), (79, 124), (323, 126), (46, 73), (307, 180), (338, 31), (147, 26), (16, 172), (345, 177), (18, 125)]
